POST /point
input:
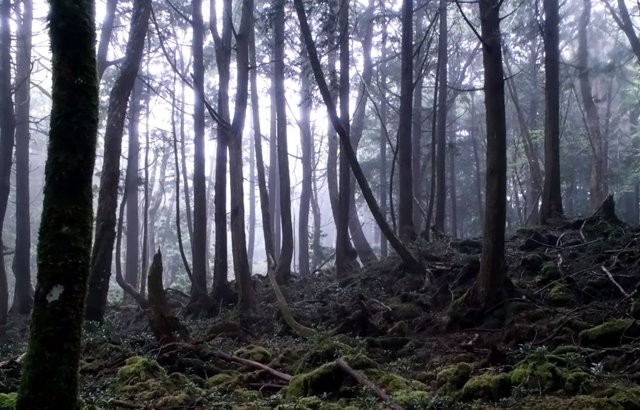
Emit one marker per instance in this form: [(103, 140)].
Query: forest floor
[(569, 339)]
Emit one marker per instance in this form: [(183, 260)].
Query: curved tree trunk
[(109, 178), (131, 187), (64, 241), (410, 261), (306, 104)]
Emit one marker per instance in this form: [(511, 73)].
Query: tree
[(405, 174), (410, 261), (551, 194), (283, 268), (64, 242), (131, 186), (492, 275), (597, 188), (343, 245), (220, 289), (306, 142), (199, 297), (23, 299), (441, 121), (7, 129), (102, 252)]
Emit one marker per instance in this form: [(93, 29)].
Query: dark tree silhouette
[(50, 372)]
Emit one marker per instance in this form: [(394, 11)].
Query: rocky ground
[(568, 338)]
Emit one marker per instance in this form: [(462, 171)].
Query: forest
[(416, 204)]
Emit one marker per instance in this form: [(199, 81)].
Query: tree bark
[(384, 107), (199, 299), (109, 178), (306, 104), (441, 121), (492, 275), (23, 291), (283, 268), (551, 204), (105, 36), (64, 241), (131, 186), (405, 175), (597, 185)]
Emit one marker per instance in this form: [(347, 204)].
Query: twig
[(626, 295), (360, 378), (284, 376)]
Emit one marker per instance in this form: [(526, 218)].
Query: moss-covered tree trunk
[(50, 372)]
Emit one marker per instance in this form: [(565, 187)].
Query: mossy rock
[(537, 374), (218, 380), (532, 262), (256, 353), (625, 395), (138, 369), (8, 401), (412, 399), (560, 294), (327, 378), (607, 334), (548, 272), (491, 387), (451, 378), (323, 351), (576, 382)]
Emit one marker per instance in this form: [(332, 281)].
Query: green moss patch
[(451, 378), (8, 401), (607, 334), (256, 353), (490, 387)]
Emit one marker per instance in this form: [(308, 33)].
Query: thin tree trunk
[(221, 290), (405, 175), (23, 291), (185, 173), (257, 136), (384, 107), (452, 190), (306, 104), (283, 268), (597, 186), (7, 130), (441, 122), (109, 178), (274, 178), (131, 187), (105, 36)]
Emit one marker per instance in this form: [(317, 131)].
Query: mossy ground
[(568, 340)]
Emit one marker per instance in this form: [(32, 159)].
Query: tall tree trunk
[(221, 290), (416, 128), (358, 237), (131, 186), (384, 107), (283, 268), (332, 138), (145, 207), (252, 195), (441, 121), (247, 300), (199, 297), (185, 173), (274, 178), (405, 174), (492, 275), (22, 296), (476, 160), (551, 193), (452, 190), (343, 245), (7, 130), (306, 104), (597, 184), (50, 371), (257, 136), (410, 261), (102, 252)]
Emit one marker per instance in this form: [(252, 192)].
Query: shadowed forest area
[(418, 204)]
